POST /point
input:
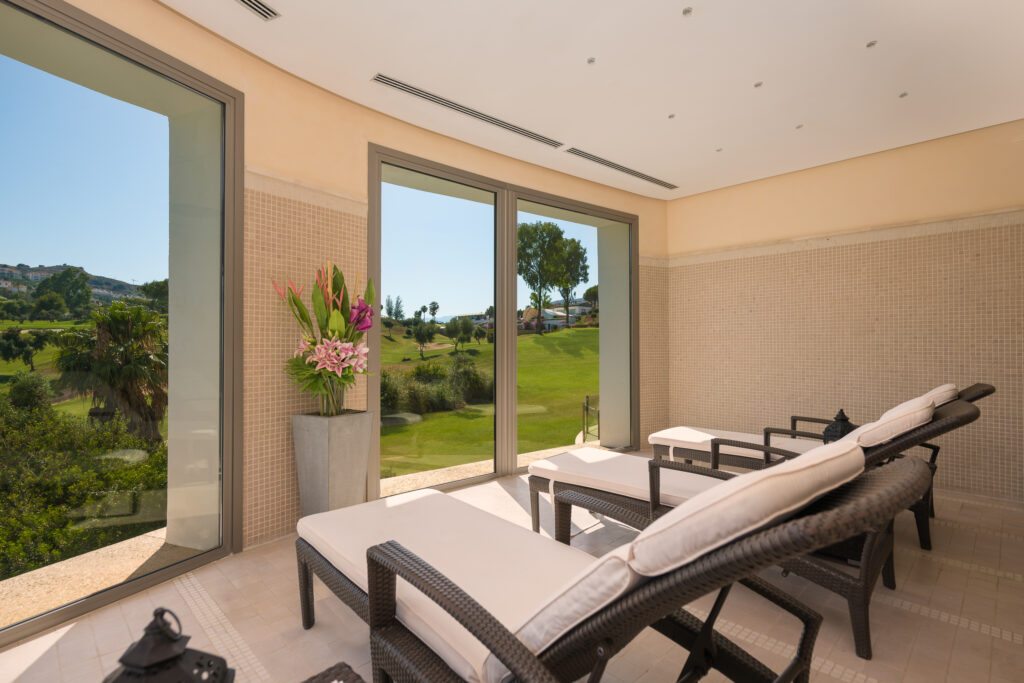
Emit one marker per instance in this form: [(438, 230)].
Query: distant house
[(13, 286), (481, 320)]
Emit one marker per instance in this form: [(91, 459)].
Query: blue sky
[(83, 178), (439, 248)]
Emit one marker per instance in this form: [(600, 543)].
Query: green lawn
[(43, 325), (556, 371)]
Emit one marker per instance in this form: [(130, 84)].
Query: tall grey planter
[(331, 454)]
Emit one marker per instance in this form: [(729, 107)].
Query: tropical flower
[(331, 350)]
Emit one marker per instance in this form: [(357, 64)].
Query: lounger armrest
[(768, 431), (716, 445), (794, 419), (389, 560)]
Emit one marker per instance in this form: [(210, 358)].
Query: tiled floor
[(957, 615)]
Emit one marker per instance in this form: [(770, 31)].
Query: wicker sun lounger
[(671, 482), (457, 613)]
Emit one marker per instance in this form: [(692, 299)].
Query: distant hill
[(103, 288)]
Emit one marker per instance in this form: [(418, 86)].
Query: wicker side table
[(339, 673)]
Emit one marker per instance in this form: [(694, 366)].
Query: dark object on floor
[(339, 673), (161, 655)]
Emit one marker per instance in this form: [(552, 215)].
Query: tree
[(389, 307), (424, 334), (16, 309), (479, 333), (489, 313), (398, 312), (72, 284), (122, 361), (388, 323), (537, 256), (433, 311), (14, 345), (423, 311), (49, 306), (572, 270), (539, 304), (591, 296), (29, 391), (157, 292), (459, 330)]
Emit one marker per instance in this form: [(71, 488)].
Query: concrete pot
[(331, 455)]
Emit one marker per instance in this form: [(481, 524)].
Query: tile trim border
[(978, 222), (265, 181)]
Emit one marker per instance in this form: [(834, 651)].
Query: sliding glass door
[(114, 419), (566, 359), (437, 348), (509, 324)]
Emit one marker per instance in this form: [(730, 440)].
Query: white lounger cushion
[(605, 579), (621, 473), (741, 505), (942, 395), (511, 571), (700, 440), (894, 422)]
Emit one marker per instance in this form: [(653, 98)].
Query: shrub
[(468, 382), (429, 372), (425, 398), (390, 392), (51, 470), (29, 391)]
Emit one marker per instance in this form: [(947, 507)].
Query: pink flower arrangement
[(331, 350)]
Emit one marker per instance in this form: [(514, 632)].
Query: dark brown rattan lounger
[(873, 549), (868, 502)]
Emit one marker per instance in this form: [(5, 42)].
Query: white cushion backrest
[(741, 505), (607, 578), (942, 395), (894, 422)]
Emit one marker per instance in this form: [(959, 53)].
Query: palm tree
[(122, 361)]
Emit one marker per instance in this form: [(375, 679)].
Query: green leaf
[(339, 283), (370, 293), (320, 310), (336, 324), (301, 313), (345, 312)]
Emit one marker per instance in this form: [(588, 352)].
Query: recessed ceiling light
[(799, 126), (591, 60), (759, 84), (687, 11), (671, 116), (871, 43), (904, 94), (719, 149)]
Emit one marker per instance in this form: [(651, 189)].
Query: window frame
[(89, 28), (507, 196)]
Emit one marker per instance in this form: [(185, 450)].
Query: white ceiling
[(525, 61)]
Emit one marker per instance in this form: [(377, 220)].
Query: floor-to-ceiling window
[(117, 226), (437, 349), (508, 324)]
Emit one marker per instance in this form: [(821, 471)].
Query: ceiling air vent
[(437, 99), (618, 167), (265, 11)]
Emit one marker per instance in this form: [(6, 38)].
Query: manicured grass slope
[(556, 371)]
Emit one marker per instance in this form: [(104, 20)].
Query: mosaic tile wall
[(654, 345), (860, 323), (289, 231)]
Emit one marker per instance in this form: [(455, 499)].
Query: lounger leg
[(306, 594), (563, 521), (889, 572), (924, 535), (535, 509), (860, 620)]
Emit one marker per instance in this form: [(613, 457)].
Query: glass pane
[(110, 216), (565, 356), (437, 343)]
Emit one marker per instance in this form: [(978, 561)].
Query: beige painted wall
[(977, 172), (298, 131)]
